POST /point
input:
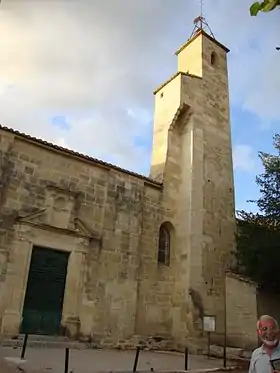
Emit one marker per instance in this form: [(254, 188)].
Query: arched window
[(214, 59), (164, 245)]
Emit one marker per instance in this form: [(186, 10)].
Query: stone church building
[(96, 252)]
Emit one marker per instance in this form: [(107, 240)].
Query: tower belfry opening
[(200, 24)]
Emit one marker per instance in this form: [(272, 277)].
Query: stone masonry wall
[(197, 170), (241, 313), (212, 212), (167, 102), (123, 291), (219, 223)]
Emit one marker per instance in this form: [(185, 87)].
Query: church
[(101, 254)]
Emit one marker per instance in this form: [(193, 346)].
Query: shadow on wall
[(268, 304)]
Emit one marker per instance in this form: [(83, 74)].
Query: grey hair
[(267, 317)]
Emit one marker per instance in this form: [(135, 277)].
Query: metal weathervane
[(201, 8), (200, 23)]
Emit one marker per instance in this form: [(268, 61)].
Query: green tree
[(258, 250), (258, 236), (264, 6), (269, 183)]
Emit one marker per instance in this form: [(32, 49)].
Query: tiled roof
[(240, 278), (259, 220), (77, 155)]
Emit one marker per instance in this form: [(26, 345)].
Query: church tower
[(192, 156)]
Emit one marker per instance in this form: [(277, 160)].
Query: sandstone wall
[(206, 201), (244, 305), (167, 102), (115, 288), (241, 313), (218, 186), (198, 180)]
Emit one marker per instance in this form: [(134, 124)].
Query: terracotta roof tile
[(72, 153)]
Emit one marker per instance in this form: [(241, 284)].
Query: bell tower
[(192, 156), (202, 56)]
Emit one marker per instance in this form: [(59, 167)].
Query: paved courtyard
[(90, 361)]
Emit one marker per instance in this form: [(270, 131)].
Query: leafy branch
[(258, 235), (264, 6)]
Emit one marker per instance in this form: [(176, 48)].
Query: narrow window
[(214, 59), (164, 245)]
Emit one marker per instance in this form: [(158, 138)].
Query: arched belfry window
[(164, 244), (214, 59)]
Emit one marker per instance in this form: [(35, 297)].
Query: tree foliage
[(264, 6), (269, 183), (258, 237), (258, 250)]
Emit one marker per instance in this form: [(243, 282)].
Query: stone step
[(44, 344), (40, 337), (42, 341)]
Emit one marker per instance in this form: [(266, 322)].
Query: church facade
[(103, 254)]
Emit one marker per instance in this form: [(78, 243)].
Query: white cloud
[(61, 142), (244, 158), (97, 63)]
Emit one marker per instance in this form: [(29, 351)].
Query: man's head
[(268, 331)]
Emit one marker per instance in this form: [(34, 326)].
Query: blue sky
[(245, 130), (84, 79)]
